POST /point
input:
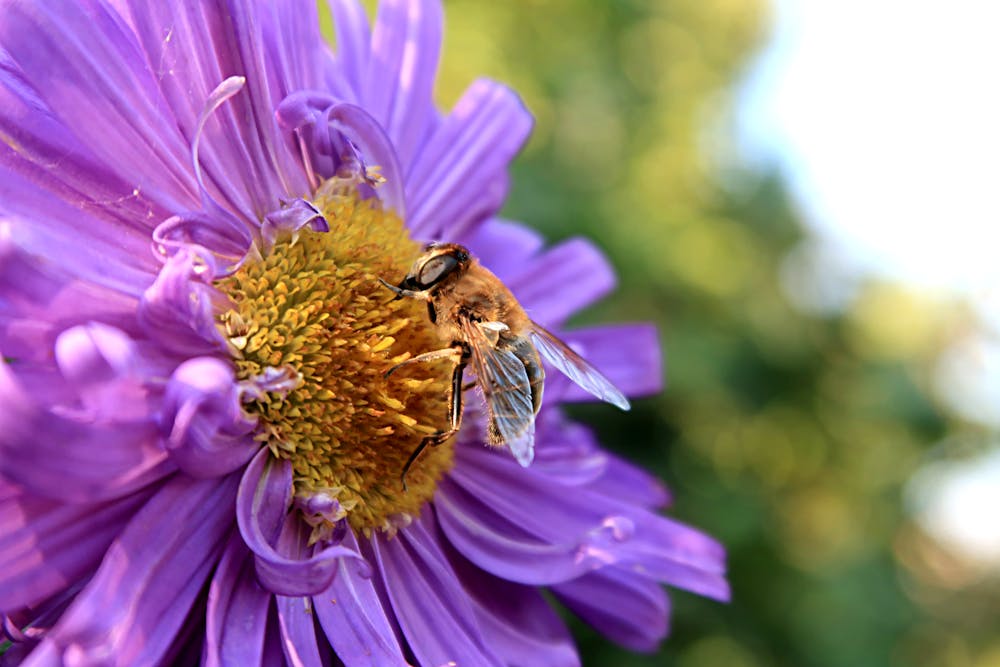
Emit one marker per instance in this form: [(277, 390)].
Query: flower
[(199, 448)]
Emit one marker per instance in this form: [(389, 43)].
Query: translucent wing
[(504, 382), (575, 367)]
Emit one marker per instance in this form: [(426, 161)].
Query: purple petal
[(353, 39), (355, 622), (290, 219), (38, 300), (601, 531), (105, 259), (400, 81), (204, 428), (462, 167), (631, 484), (568, 453), (261, 510), (97, 225), (293, 47), (178, 310), (236, 620), (563, 280), (429, 602), (73, 451), (516, 620), (624, 606), (503, 246), (298, 631), (217, 237), (133, 608), (46, 546), (499, 546), (627, 354), (97, 82), (334, 132), (247, 163)]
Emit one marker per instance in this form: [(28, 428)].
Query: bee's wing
[(504, 382), (575, 367)]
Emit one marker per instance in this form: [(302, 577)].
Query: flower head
[(200, 447)]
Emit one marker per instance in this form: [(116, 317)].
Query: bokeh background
[(783, 189)]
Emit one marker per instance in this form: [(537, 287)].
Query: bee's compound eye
[(435, 269)]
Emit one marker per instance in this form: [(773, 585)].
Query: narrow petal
[(498, 545), (563, 280), (196, 46), (518, 623), (236, 620), (461, 168), (355, 622), (353, 38), (601, 531), (400, 82), (503, 246), (429, 601), (261, 511), (298, 631), (624, 606), (46, 546), (96, 81), (133, 608), (626, 482), (292, 45)]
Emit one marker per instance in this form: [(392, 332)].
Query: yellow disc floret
[(312, 305)]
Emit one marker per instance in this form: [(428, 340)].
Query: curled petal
[(204, 428), (512, 504), (290, 218), (217, 238), (499, 546), (75, 446), (178, 310), (343, 137), (261, 511)]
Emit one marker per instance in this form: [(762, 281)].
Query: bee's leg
[(454, 416), (454, 352)]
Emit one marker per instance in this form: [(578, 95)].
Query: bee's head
[(438, 261)]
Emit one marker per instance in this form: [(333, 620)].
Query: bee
[(491, 332)]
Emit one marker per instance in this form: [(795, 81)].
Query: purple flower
[(199, 449)]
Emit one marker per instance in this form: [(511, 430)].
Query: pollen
[(311, 306)]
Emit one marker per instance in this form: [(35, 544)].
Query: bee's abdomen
[(528, 355)]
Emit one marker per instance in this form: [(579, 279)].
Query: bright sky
[(884, 116)]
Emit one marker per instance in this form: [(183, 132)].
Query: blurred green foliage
[(786, 435)]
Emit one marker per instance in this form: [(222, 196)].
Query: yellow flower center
[(313, 306)]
